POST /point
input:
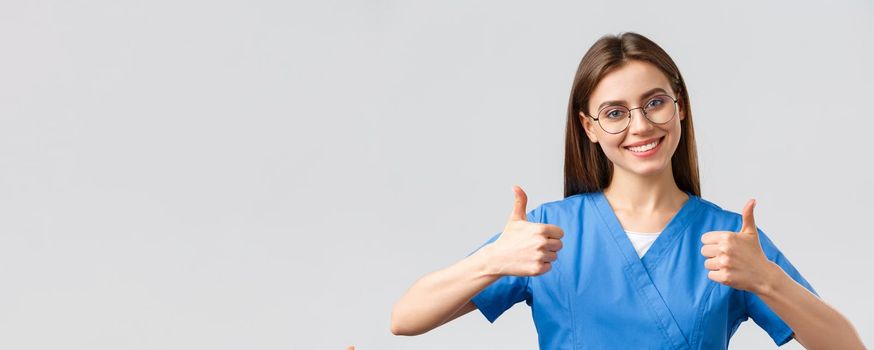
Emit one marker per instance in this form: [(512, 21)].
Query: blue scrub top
[(600, 295)]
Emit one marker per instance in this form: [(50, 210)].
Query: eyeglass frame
[(643, 111)]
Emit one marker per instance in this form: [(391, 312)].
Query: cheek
[(607, 140), (676, 133), (611, 146)]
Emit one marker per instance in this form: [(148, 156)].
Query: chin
[(647, 170)]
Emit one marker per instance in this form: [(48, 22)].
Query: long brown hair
[(586, 167)]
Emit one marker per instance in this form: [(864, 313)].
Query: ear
[(589, 126), (681, 108)]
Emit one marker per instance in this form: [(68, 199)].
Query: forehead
[(627, 82)]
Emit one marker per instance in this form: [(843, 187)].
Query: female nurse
[(632, 257)]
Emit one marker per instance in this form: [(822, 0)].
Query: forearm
[(438, 295), (816, 324)]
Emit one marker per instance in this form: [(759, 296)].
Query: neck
[(644, 194)]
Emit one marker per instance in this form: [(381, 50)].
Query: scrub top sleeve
[(756, 309), (507, 290)]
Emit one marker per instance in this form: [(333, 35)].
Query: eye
[(614, 113), (658, 101)]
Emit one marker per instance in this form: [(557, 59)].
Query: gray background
[(272, 175)]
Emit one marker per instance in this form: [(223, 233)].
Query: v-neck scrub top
[(641, 241), (600, 294)]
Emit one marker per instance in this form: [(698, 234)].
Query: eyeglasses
[(615, 119)]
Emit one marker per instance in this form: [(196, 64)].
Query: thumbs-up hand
[(736, 259), (524, 248)]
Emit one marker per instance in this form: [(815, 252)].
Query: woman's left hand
[(736, 259)]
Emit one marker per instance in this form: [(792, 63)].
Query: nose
[(639, 124)]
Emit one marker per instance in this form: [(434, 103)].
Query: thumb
[(749, 223), (519, 207)]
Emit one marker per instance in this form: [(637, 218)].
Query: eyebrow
[(645, 94)]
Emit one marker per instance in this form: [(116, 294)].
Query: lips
[(643, 146)]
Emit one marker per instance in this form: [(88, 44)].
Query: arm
[(522, 249), (440, 296), (816, 324), (738, 261)]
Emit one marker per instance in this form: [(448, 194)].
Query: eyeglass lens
[(659, 110)]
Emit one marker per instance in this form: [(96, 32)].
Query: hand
[(737, 259), (524, 248)]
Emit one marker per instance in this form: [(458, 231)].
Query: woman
[(632, 257)]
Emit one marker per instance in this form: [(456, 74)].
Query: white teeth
[(645, 147)]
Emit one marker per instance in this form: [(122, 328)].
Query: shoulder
[(714, 208), (571, 206), (714, 212), (735, 221), (573, 202)]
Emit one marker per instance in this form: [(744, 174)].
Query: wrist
[(484, 261), (773, 277)]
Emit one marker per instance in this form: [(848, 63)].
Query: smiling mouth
[(646, 147)]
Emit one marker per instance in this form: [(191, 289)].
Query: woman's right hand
[(524, 248)]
